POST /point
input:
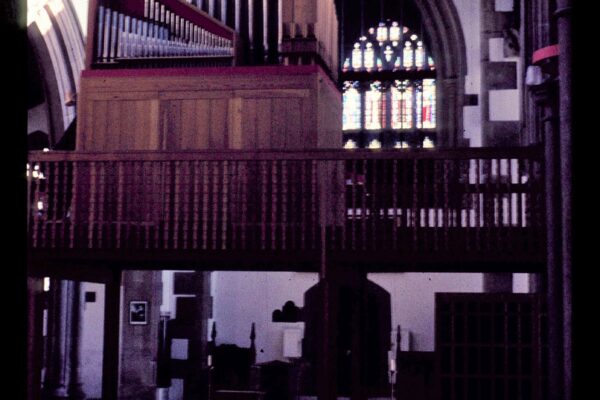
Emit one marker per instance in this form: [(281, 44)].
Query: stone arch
[(56, 43), (447, 43)]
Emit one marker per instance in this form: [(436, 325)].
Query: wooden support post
[(326, 365), (110, 361)]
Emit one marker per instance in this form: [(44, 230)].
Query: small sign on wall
[(138, 312)]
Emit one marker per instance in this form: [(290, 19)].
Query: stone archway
[(442, 23), (56, 46)]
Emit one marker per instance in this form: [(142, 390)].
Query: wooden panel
[(219, 124), (190, 125), (95, 125), (293, 131), (110, 140), (85, 110), (110, 137), (242, 111), (235, 123), (194, 94), (263, 123), (269, 94), (190, 84), (146, 127), (173, 124), (279, 124), (308, 132), (201, 135), (122, 95), (142, 129), (249, 140), (129, 120), (329, 103)]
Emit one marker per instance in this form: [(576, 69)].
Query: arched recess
[(447, 44), (56, 43)]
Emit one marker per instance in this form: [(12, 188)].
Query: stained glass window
[(386, 43), (346, 66), (351, 104), (373, 107), (402, 105), (356, 57), (428, 103), (388, 53), (405, 102), (407, 55), (419, 105), (395, 32), (369, 57), (419, 56), (382, 31)]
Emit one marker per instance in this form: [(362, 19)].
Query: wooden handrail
[(533, 152)]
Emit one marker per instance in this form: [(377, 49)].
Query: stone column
[(563, 21), (545, 94), (34, 336), (55, 379), (448, 133), (110, 359), (75, 348)]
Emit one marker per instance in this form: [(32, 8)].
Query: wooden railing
[(408, 202), (155, 33)]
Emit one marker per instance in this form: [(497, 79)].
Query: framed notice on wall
[(138, 312)]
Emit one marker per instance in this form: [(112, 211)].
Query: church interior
[(299, 199)]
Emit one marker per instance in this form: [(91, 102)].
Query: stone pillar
[(553, 248), (449, 134), (55, 379), (563, 20), (34, 336), (75, 333), (62, 378), (110, 360), (139, 341)]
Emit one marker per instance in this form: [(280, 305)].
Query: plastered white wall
[(240, 298), (413, 300), (92, 341), (470, 19)]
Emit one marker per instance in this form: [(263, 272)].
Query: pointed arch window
[(402, 105), (352, 107), (393, 87), (428, 104), (374, 107), (357, 57), (369, 57)]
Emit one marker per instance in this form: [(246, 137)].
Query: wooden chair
[(231, 371)]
